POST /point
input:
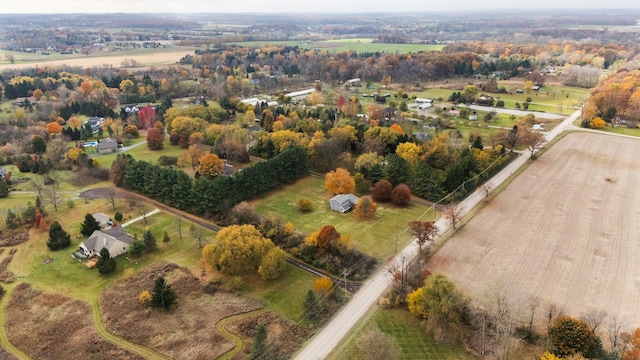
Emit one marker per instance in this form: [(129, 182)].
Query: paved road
[(541, 115), (340, 326)]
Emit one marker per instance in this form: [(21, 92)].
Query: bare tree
[(425, 231), (179, 226), (594, 319), (53, 197), (504, 314), (376, 345), (614, 328), (552, 311), (110, 195), (533, 140), (37, 184), (533, 302), (453, 213), (198, 233), (486, 188), (10, 58)]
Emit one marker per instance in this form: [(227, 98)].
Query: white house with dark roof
[(343, 202), (116, 240)]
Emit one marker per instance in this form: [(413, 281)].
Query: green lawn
[(408, 332), (553, 99), (142, 152), (357, 44), (284, 295), (68, 276), (374, 237)]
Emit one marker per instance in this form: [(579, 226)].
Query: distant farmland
[(357, 44), (566, 230)]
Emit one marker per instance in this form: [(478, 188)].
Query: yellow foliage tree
[(37, 93), (415, 302), (144, 298), (339, 181), (597, 123), (549, 356), (323, 287), (210, 166), (191, 156), (409, 151), (73, 154), (273, 264), (238, 249)]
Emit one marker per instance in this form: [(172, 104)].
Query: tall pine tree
[(58, 238), (89, 225), (162, 295)]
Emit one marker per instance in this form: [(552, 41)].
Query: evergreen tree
[(58, 238), (89, 225), (162, 295), (106, 264), (136, 248), (149, 240), (166, 237), (4, 189)]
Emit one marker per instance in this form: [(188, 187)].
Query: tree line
[(209, 197)]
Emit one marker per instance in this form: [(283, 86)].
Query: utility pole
[(344, 273)]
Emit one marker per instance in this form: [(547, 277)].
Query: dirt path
[(221, 327), (118, 341), (4, 340)]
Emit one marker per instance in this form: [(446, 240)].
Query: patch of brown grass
[(187, 331), (283, 336), (53, 326)]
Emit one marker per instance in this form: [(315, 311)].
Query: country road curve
[(341, 325)]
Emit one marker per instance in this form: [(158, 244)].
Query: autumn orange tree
[(323, 238), (191, 156), (210, 166), (53, 128), (340, 181), (155, 139), (323, 288), (366, 208), (633, 339), (597, 123)]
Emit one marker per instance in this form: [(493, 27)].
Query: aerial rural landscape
[(307, 184)]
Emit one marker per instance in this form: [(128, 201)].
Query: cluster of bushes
[(24, 215), (33, 164), (209, 197)]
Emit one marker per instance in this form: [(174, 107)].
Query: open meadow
[(564, 230)]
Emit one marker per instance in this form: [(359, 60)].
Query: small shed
[(343, 202)]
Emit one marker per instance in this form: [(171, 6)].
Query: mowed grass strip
[(408, 331), (375, 237)]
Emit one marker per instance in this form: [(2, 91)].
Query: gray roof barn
[(343, 202)]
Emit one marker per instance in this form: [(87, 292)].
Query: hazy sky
[(258, 6)]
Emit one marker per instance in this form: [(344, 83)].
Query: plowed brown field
[(567, 229)]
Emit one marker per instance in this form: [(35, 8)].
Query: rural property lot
[(565, 230)]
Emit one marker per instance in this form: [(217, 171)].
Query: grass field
[(550, 98), (142, 152), (374, 237), (356, 44), (408, 332)]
